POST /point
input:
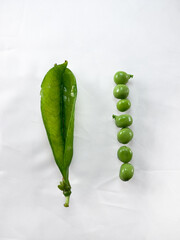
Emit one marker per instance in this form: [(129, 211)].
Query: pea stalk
[(66, 204)]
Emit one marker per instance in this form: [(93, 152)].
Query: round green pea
[(123, 105), (122, 77), (126, 172), (125, 135), (125, 154), (121, 91), (123, 120)]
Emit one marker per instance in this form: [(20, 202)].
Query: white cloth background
[(97, 38)]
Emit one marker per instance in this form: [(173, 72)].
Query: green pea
[(121, 91), (125, 135), (126, 172), (125, 154), (123, 105), (122, 77), (122, 121)]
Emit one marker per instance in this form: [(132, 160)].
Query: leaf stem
[(66, 201)]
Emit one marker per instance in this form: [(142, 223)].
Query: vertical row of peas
[(123, 121)]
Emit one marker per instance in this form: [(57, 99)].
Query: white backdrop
[(97, 38)]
